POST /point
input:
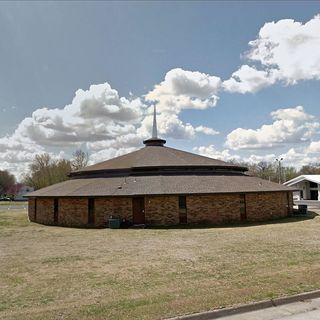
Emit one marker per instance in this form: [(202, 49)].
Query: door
[(138, 210)]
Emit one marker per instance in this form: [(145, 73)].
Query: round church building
[(158, 185)]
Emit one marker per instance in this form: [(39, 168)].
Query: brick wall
[(290, 199), (73, 212), (269, 205), (162, 210), (31, 209), (122, 207), (45, 207), (214, 208), (103, 209)]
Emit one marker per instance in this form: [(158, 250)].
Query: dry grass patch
[(65, 273)]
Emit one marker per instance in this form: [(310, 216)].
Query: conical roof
[(159, 156)]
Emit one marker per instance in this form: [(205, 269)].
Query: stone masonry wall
[(214, 208), (162, 210)]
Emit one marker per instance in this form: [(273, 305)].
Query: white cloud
[(183, 89), (94, 115), (211, 152), (249, 79), (206, 130), (107, 124), (291, 125), (292, 157), (180, 90), (286, 51), (314, 147)]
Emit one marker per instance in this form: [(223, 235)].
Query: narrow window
[(243, 209), (182, 209), (91, 211), (35, 209), (55, 211)]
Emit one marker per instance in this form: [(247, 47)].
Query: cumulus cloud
[(314, 147), (107, 124), (95, 114), (169, 125), (249, 79), (211, 152), (182, 89), (285, 50), (293, 157), (291, 125)]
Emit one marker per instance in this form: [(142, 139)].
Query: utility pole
[(279, 164)]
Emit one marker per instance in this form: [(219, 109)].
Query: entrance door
[(138, 210)]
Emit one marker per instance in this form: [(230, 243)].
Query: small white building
[(308, 186)]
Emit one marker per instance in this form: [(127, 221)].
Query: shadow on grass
[(290, 219)]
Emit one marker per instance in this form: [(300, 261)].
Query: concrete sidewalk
[(302, 306), (302, 310)]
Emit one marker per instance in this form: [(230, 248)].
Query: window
[(313, 185), (182, 210), (243, 209), (182, 202), (35, 209), (91, 211), (55, 211)]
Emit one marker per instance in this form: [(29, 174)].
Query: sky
[(230, 80)]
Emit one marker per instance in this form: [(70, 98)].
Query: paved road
[(306, 310)]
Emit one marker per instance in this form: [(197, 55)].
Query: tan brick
[(31, 209), (164, 210), (73, 212)]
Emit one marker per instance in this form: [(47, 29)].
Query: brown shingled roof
[(157, 156), (157, 185)]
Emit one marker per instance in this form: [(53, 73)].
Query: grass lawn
[(64, 273)]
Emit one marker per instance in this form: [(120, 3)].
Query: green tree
[(44, 171)]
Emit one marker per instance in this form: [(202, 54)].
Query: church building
[(158, 185)]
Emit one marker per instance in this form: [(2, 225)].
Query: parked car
[(5, 199)]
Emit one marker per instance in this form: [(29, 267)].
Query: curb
[(219, 313)]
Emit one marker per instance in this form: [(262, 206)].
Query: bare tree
[(80, 159)]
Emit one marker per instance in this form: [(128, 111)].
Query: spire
[(154, 141), (154, 128)]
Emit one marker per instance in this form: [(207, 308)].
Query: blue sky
[(188, 50)]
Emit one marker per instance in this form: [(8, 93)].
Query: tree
[(44, 171), (80, 159), (7, 180), (310, 169)]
